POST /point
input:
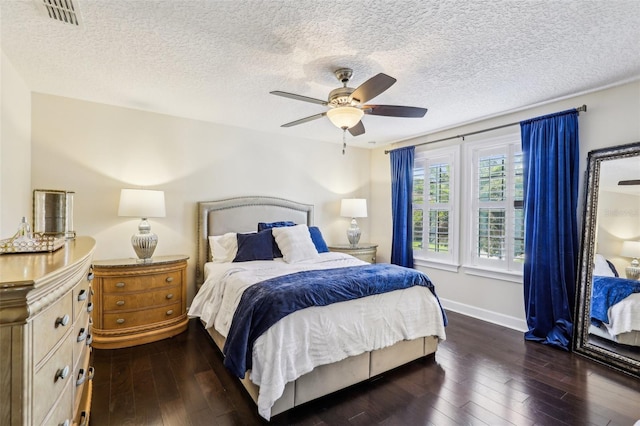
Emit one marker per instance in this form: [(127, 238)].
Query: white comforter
[(318, 335), (624, 316)]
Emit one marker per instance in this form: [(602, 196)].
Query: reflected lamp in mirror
[(142, 203), (353, 208), (631, 249)]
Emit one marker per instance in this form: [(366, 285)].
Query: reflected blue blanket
[(606, 292), (265, 303)]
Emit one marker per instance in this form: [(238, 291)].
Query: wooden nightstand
[(138, 303), (363, 251)]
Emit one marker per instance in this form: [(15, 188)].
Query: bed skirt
[(329, 378)]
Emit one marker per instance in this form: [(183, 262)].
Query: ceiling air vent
[(65, 11)]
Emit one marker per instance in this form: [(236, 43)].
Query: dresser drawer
[(51, 325), (81, 339), (144, 317), (81, 297), (124, 301), (50, 381), (141, 282), (63, 410)]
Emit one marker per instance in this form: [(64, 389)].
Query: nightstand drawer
[(144, 317), (120, 302), (141, 282)]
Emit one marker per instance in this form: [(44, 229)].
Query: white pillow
[(223, 247), (295, 243), (601, 267)]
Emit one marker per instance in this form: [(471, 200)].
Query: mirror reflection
[(615, 300), (607, 326)]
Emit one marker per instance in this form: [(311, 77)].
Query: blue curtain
[(550, 155), (401, 205)]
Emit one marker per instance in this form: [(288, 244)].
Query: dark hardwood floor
[(482, 374)]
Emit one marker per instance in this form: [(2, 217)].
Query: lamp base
[(144, 242), (353, 233)]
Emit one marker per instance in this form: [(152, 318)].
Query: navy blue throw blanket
[(265, 303), (607, 291)]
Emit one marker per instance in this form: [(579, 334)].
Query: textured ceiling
[(218, 60)]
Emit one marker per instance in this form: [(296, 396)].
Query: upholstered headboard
[(242, 214)]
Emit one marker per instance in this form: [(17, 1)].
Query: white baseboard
[(493, 317)]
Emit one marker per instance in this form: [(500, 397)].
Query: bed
[(615, 305), (315, 351)]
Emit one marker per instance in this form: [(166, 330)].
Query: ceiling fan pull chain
[(344, 140)]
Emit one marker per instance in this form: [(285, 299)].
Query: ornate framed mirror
[(607, 314)]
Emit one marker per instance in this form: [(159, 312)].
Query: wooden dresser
[(138, 303), (45, 336), (363, 251)]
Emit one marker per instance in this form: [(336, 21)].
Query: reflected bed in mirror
[(607, 319)]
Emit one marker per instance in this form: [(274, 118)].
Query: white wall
[(15, 149), (618, 220), (96, 149), (612, 118)]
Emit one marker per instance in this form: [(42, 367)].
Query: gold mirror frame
[(581, 343)]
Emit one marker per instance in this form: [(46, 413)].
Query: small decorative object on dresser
[(363, 251), (138, 303), (45, 336)]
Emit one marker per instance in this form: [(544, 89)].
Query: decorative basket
[(37, 243)]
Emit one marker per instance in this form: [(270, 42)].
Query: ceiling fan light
[(345, 117)]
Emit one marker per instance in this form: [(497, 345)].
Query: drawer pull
[(120, 303), (65, 423), (82, 295), (169, 279), (81, 377), (64, 320), (170, 296), (120, 321), (120, 284), (91, 373), (82, 335), (62, 373), (90, 275), (89, 340), (170, 312), (83, 419), (90, 307)]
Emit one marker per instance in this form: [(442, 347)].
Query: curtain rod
[(583, 108)]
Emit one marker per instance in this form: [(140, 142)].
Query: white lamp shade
[(353, 207), (345, 117), (142, 203), (630, 249)]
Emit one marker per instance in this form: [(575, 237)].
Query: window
[(497, 205), (435, 206)]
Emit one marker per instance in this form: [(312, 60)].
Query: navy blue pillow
[(257, 246), (268, 225), (318, 241)]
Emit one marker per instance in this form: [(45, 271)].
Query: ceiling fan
[(348, 105)]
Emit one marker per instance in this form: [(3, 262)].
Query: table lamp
[(353, 208), (631, 249)]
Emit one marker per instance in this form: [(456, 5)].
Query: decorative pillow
[(318, 241), (223, 247), (295, 243), (601, 267), (270, 225), (255, 246)]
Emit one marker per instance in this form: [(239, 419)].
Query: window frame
[(447, 261), (508, 268)]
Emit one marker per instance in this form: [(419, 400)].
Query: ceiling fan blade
[(304, 120), (298, 97), (629, 182), (394, 111), (357, 130), (372, 87)]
